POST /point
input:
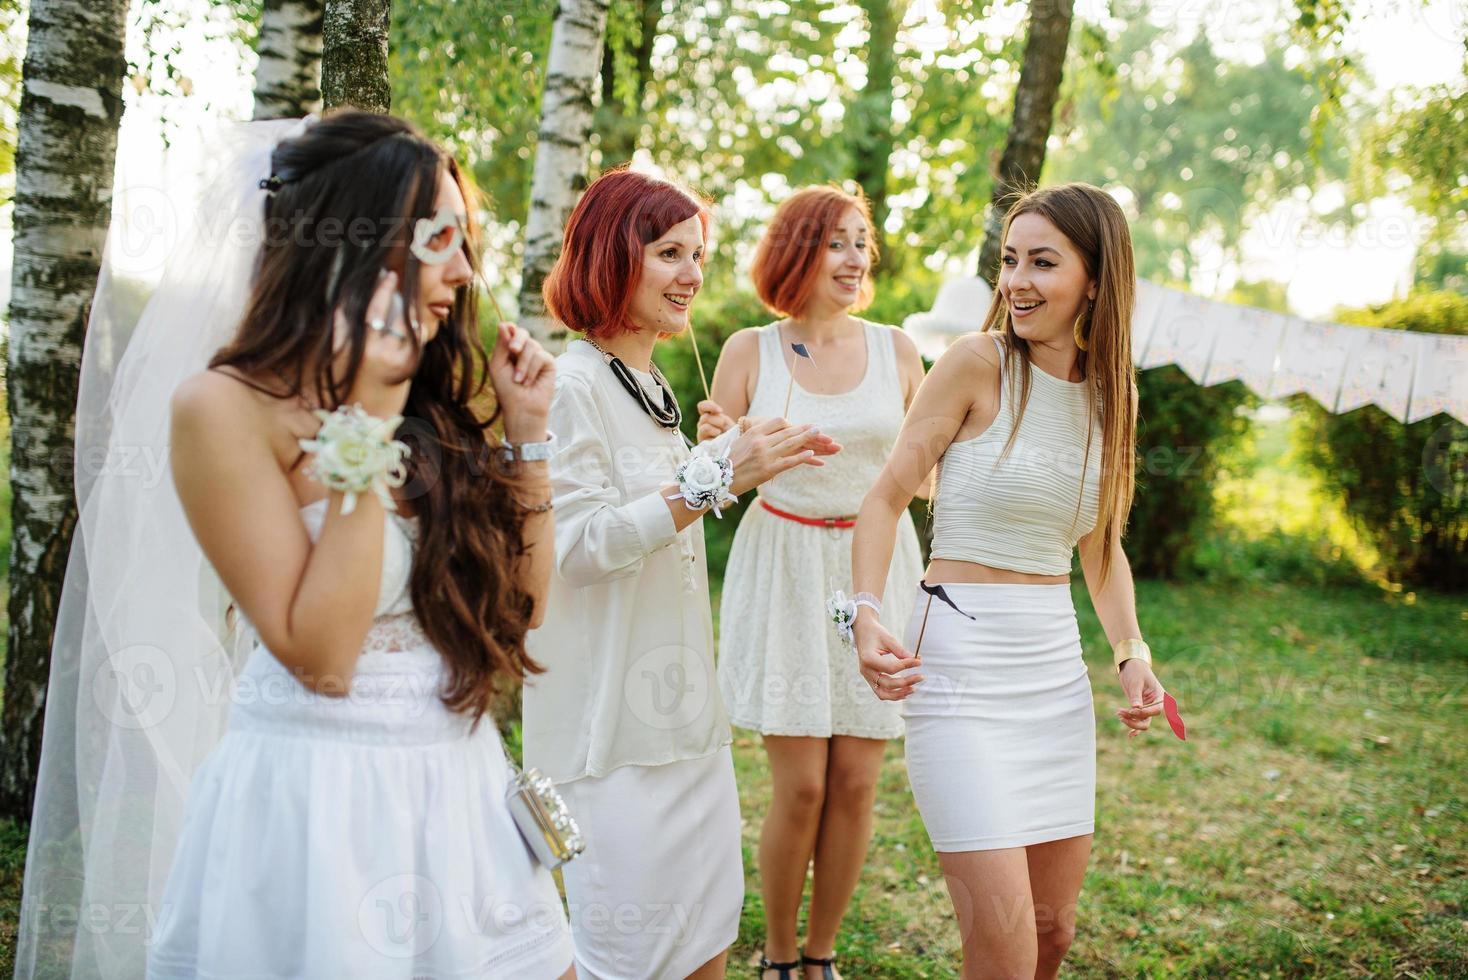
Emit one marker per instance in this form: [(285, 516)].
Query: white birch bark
[(560, 156), (354, 37), (70, 106), (288, 77)]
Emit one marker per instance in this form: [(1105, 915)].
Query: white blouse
[(628, 641)]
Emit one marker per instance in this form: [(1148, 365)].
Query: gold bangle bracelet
[(539, 508), (1132, 649)]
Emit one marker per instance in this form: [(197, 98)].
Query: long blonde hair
[(1095, 225)]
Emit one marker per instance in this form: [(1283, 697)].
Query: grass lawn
[(1312, 825)]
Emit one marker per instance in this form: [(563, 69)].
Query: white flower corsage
[(355, 452), (842, 612), (704, 481)]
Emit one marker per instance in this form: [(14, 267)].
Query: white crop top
[(1027, 511)]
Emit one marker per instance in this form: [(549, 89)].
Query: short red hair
[(790, 255), (590, 287)]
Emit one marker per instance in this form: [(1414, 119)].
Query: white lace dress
[(361, 836), (783, 669)]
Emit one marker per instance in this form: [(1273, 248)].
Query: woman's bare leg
[(788, 837), (1057, 870), (994, 910), (845, 832)]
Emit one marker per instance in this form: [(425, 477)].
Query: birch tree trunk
[(288, 78), (70, 106), (872, 146), (354, 54), (1034, 114), (560, 154)]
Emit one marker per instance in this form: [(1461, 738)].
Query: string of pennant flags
[(1409, 375)]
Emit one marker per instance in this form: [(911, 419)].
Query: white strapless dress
[(362, 837)]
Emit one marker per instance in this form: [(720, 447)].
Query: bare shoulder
[(904, 345), (212, 402), (210, 394), (972, 357), (742, 347), (738, 365)]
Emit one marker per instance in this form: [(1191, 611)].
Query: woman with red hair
[(783, 670), (627, 718)]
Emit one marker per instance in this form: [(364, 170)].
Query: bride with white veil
[(181, 828)]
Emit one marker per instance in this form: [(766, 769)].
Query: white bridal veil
[(142, 659)]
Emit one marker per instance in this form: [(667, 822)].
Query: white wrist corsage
[(355, 452), (842, 612), (704, 481)]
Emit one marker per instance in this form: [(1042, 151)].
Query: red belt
[(812, 521)]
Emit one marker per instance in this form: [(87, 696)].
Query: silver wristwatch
[(528, 452)]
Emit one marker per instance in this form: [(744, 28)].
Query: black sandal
[(766, 964), (826, 964)]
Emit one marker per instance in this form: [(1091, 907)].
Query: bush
[(1405, 486), (1183, 433)]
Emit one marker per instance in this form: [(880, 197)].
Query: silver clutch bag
[(541, 816)]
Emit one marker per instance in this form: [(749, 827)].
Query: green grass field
[(1312, 825)]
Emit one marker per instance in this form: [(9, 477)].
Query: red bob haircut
[(590, 287), (790, 255)]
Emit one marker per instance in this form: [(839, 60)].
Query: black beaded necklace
[(668, 415)]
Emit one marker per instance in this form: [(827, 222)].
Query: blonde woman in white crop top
[(1032, 426)]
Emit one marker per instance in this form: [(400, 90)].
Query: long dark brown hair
[(347, 195), (1095, 224)]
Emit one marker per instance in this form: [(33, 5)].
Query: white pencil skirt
[(658, 891), (1001, 734)]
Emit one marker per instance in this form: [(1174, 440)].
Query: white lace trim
[(392, 634)]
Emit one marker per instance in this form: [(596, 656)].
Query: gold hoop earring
[(1076, 326)]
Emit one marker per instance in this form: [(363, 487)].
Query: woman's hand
[(712, 420), (772, 446), (881, 658), (389, 359), (523, 375), (1144, 696)]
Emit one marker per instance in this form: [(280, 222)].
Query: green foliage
[(1184, 431), (1441, 266), (470, 74), (1276, 522), (158, 31), (1427, 142), (1265, 294), (1405, 485), (1422, 136), (12, 55), (1202, 145), (1320, 25)]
